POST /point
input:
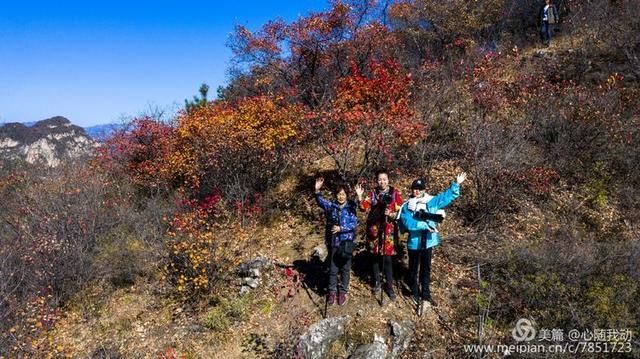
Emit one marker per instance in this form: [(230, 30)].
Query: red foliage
[(538, 181), (291, 283), (140, 153), (369, 116)]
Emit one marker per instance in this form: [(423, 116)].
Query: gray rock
[(195, 328), (246, 269), (315, 343), (244, 290), (401, 334), (50, 142), (376, 350), (252, 282), (255, 272)]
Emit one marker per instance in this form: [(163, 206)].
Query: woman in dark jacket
[(340, 235)]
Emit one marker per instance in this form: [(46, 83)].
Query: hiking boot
[(424, 307), (342, 298), (390, 292), (376, 289), (331, 298)]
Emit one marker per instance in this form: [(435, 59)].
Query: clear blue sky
[(95, 61)]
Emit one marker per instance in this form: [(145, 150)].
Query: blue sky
[(96, 61)]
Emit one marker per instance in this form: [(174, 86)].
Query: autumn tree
[(238, 148), (140, 152), (369, 116), (305, 59)]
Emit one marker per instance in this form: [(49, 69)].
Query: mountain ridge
[(49, 141)]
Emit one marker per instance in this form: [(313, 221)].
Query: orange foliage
[(192, 247), (221, 136)]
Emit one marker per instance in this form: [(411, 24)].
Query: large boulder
[(376, 350), (315, 343), (401, 334)]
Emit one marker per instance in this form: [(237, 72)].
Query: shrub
[(140, 152), (192, 261), (568, 285), (236, 149), (227, 311), (62, 228), (368, 117)]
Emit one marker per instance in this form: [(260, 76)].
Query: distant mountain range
[(49, 141), (100, 132), (97, 132)]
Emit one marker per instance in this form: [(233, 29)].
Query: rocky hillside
[(48, 141)]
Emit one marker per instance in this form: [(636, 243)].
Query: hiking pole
[(383, 240), (381, 274), (397, 259), (326, 298), (306, 289), (334, 221), (326, 306), (423, 244)]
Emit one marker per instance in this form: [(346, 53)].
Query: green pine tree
[(198, 100)]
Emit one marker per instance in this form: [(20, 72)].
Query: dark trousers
[(388, 269), (339, 266), (420, 258), (545, 32)]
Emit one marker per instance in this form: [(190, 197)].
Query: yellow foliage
[(220, 129)]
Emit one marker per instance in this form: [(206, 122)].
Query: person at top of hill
[(382, 204), (340, 236), (548, 18), (419, 216)]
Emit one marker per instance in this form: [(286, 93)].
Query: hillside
[(201, 237)]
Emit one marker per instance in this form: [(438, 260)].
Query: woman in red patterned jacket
[(382, 203)]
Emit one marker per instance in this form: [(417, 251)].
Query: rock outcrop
[(315, 343), (48, 142), (376, 350)]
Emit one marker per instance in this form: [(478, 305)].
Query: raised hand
[(359, 190), (461, 177)]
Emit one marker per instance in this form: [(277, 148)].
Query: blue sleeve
[(443, 199), (324, 203), (409, 223)]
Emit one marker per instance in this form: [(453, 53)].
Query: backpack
[(344, 251), (552, 15)]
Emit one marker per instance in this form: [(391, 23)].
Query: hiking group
[(388, 217)]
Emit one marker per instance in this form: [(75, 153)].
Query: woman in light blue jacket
[(419, 216)]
